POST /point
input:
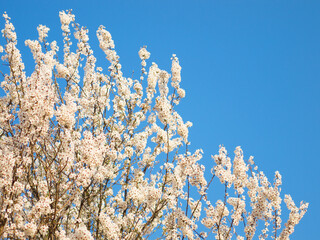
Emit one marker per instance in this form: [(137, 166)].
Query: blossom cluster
[(107, 156)]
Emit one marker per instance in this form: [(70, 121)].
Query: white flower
[(30, 229), (144, 54), (43, 32)]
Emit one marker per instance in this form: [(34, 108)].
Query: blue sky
[(250, 70)]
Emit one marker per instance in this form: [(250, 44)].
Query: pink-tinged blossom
[(87, 153)]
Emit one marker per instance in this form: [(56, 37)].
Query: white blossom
[(87, 153)]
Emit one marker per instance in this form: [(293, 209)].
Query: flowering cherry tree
[(106, 156)]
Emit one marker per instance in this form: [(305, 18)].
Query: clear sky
[(250, 70)]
